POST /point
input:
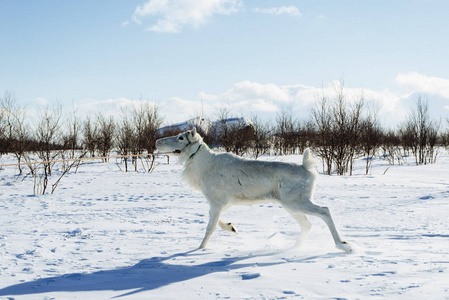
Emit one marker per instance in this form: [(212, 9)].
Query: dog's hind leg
[(305, 225), (227, 226), (214, 217), (324, 213)]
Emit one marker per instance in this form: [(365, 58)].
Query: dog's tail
[(308, 161)]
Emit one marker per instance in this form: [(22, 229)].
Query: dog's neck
[(194, 153), (189, 154), (194, 162)]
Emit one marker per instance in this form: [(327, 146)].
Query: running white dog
[(226, 180)]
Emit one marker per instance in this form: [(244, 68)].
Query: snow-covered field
[(105, 233)]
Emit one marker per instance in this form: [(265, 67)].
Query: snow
[(105, 233)]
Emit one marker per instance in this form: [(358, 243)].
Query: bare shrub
[(20, 141), (391, 147), (220, 130), (125, 138), (287, 133), (90, 133), (66, 166), (72, 137), (444, 137), (261, 137), (420, 134), (14, 132), (152, 121), (105, 135), (145, 123), (323, 141), (337, 125), (233, 134), (370, 137), (47, 136), (137, 132), (7, 106)]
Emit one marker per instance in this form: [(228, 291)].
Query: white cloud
[(176, 109), (291, 10), (247, 98), (259, 105), (41, 101), (247, 90), (424, 84), (108, 107), (135, 20), (173, 15)]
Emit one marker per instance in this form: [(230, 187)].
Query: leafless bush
[(242, 133), (152, 122), (391, 147), (90, 133), (287, 135), (137, 133), (323, 141), (233, 134), (444, 137), (420, 134), (66, 166), (20, 136), (48, 136), (220, 131), (2, 129), (72, 139), (98, 135), (105, 137), (7, 106), (370, 137), (261, 137), (14, 132), (53, 147), (337, 126), (146, 120), (125, 138)]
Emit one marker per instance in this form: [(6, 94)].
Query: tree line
[(339, 131)]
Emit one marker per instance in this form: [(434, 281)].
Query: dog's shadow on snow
[(148, 274)]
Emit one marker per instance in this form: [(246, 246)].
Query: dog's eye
[(181, 138)]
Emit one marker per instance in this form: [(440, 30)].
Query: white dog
[(226, 180)]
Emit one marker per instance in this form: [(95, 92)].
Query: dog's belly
[(240, 201)]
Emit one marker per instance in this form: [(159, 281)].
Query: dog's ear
[(195, 137)]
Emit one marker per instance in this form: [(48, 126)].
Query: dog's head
[(178, 143)]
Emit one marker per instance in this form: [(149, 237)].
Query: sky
[(249, 57)]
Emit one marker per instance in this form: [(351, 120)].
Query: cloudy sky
[(253, 57)]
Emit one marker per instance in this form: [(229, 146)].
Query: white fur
[(226, 180)]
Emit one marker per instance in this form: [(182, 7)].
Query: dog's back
[(238, 179)]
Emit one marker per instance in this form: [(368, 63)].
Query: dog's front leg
[(214, 216)]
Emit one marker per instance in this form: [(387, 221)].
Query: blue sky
[(253, 57)]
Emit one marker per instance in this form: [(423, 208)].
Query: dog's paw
[(228, 227), (345, 246), (232, 228)]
